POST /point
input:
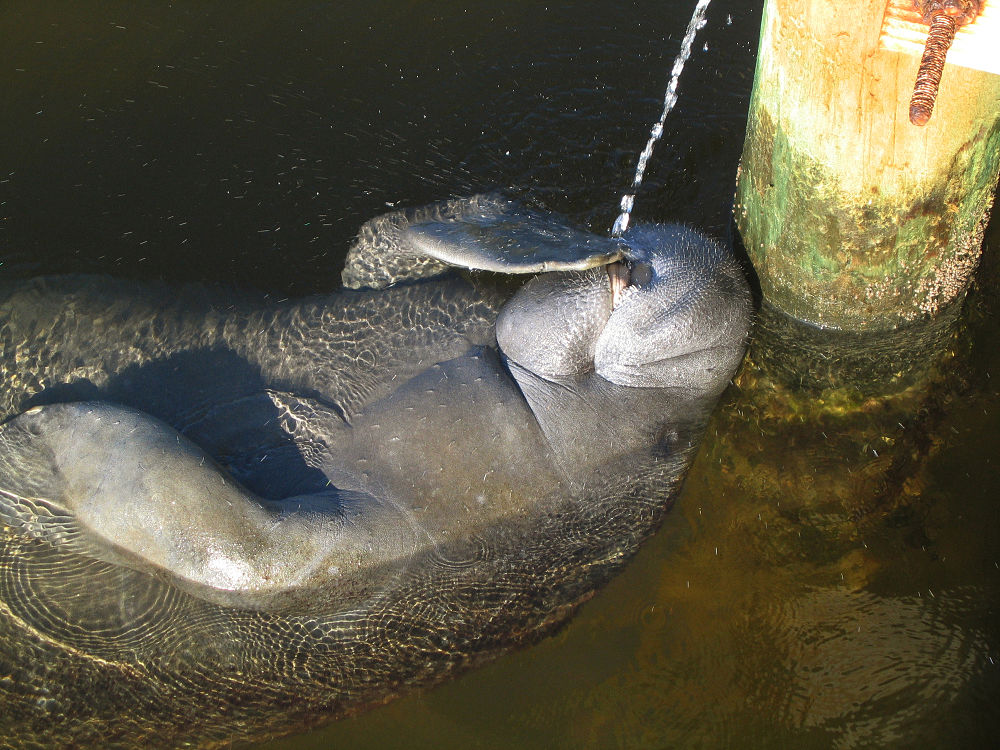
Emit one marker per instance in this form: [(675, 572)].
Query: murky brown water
[(824, 581), (827, 583)]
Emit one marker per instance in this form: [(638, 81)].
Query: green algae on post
[(853, 218)]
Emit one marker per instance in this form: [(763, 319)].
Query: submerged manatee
[(224, 517)]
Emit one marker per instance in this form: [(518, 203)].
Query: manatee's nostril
[(642, 274), (619, 274)]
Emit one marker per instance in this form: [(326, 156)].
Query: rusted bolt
[(944, 17)]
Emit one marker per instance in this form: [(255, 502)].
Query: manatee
[(228, 517)]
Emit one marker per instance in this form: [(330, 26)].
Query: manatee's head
[(682, 320)]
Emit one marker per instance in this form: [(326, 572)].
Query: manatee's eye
[(642, 274)]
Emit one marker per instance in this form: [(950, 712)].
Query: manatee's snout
[(627, 272), (552, 324), (674, 314)]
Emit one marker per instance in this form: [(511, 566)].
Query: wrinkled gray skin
[(224, 516)]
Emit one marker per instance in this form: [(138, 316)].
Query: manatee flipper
[(485, 232), (117, 485)]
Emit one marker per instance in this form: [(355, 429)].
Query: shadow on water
[(215, 398)]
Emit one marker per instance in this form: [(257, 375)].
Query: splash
[(696, 23)]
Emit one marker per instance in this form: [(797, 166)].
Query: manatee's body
[(224, 517)]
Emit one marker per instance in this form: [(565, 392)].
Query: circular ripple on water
[(88, 605), (459, 556)]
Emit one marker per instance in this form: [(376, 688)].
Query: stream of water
[(696, 23)]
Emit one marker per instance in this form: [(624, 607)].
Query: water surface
[(801, 594)]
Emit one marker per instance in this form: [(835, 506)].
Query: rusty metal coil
[(925, 89), (944, 17)]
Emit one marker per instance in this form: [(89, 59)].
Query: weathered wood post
[(853, 217)]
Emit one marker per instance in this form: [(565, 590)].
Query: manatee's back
[(189, 348)]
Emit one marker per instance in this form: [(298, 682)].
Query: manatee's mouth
[(620, 276)]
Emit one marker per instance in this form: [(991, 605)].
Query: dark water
[(801, 594), (199, 141)]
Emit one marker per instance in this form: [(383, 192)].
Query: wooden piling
[(853, 217)]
